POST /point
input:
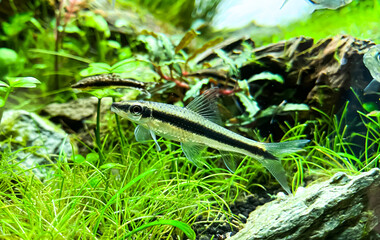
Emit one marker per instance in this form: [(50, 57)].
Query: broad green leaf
[(78, 158), (8, 61), (167, 44), (243, 85), (95, 69), (189, 36), (227, 60), (195, 90), (206, 46), (374, 114), (17, 23), (370, 106), (185, 228), (92, 157), (22, 82), (295, 107), (106, 92), (96, 21), (113, 44), (266, 76), (2, 102), (251, 106)]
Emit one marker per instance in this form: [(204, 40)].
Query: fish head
[(371, 60), (136, 111)]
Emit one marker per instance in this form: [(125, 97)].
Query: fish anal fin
[(275, 167), (193, 153), (229, 159), (206, 106), (372, 87)]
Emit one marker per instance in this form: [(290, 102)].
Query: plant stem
[(119, 130), (97, 132)]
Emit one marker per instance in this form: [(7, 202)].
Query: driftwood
[(318, 74)]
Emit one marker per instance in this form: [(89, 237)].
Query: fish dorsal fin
[(142, 135), (205, 105)]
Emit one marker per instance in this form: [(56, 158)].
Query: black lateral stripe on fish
[(108, 80), (194, 127)]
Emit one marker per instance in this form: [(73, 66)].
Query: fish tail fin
[(278, 149), (274, 166)]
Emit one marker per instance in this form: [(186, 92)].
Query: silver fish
[(371, 60), (323, 4), (196, 128)]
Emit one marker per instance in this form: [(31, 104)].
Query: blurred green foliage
[(360, 19), (182, 13)]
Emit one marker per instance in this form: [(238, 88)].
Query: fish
[(110, 81), (371, 60), (324, 4), (330, 4), (197, 126)]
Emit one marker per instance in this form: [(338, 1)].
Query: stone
[(36, 140), (343, 207)]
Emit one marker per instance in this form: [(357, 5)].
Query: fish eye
[(136, 109), (377, 56)]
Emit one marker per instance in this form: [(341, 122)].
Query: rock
[(73, 113), (341, 208), (36, 140)]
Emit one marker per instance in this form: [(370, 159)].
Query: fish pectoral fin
[(158, 148), (229, 160), (143, 135), (193, 152), (275, 167)]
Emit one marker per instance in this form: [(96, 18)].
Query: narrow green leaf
[(266, 76), (112, 165), (206, 46), (3, 85), (61, 54), (185, 228), (189, 36), (113, 199)]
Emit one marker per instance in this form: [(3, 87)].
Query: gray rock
[(37, 140), (343, 207)]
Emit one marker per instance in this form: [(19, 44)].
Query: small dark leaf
[(189, 36), (206, 46)]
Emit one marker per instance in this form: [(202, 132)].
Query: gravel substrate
[(221, 228)]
